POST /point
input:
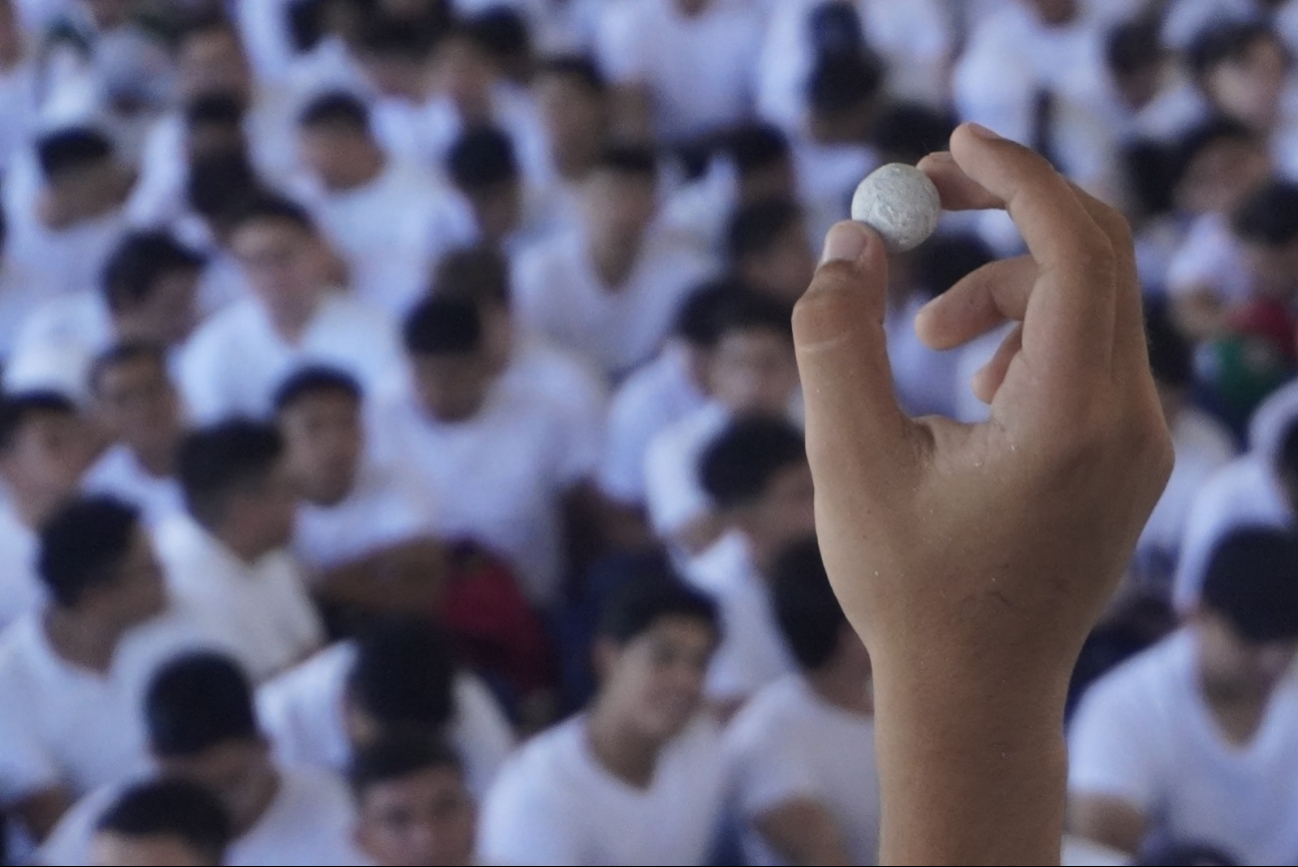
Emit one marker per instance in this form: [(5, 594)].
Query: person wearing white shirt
[(227, 559), (398, 676), (391, 220), (21, 294), (202, 727), (414, 805), (162, 821), (637, 778), (611, 290), (769, 249), (1196, 739), (44, 450), (575, 107), (800, 755), (235, 360)]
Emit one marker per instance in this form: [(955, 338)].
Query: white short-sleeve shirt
[(21, 589), (118, 473), (554, 803), (1209, 258), (674, 494)]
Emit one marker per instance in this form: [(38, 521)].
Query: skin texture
[(974, 559)]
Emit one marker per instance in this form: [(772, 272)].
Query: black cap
[(1252, 581)]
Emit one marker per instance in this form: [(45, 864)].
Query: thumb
[(853, 420)]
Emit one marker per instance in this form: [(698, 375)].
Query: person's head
[(150, 286), (843, 96), (236, 484), (395, 56), (484, 167), (167, 821), (1246, 623), (1241, 68), (202, 727), (286, 261), (763, 163), (1055, 13), (318, 410), (214, 124), (481, 274), (450, 361), (751, 368), (573, 98), (218, 186), (134, 399), (336, 142), (945, 259), (813, 624), (620, 196), (698, 325), (210, 59), (402, 680), (1218, 163), (465, 70), (80, 171), (413, 804), (756, 473), (44, 449), (1136, 59), (654, 640), (906, 132), (1172, 360), (770, 250), (1266, 225), (503, 33)]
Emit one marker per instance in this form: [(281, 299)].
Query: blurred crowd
[(400, 433)]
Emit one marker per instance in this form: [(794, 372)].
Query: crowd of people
[(401, 454)]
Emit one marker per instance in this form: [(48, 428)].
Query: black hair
[(746, 310), (1250, 582), (16, 410), (578, 66), (479, 274), (737, 466), (843, 83), (139, 261), (946, 259), (1149, 169), (397, 756), (1225, 42), (216, 461), (699, 320), (628, 159), (836, 30), (910, 131), (443, 326), (269, 206), (501, 32), (482, 158), (1171, 356), (806, 608), (404, 676), (4, 229), (1269, 216), (388, 36), (1172, 854), (215, 109), (335, 108), (1199, 138), (756, 226), (126, 352), (220, 183), (312, 380), (71, 149), (1287, 456), (198, 701), (172, 807), (1134, 45), (83, 545), (650, 594), (757, 146)]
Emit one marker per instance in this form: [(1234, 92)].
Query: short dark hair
[(220, 183), (172, 807), (479, 274), (269, 206), (397, 756), (1150, 171), (335, 108), (756, 226), (910, 131), (482, 158), (649, 595), (1250, 582), (1225, 42), (216, 461), (746, 310), (126, 352), (1287, 456), (443, 326), (16, 410), (388, 36), (577, 66), (139, 261), (946, 259), (806, 608), (1199, 138), (738, 465), (628, 159), (67, 150), (1134, 45), (198, 701), (757, 146), (699, 321), (1171, 356), (1269, 216), (500, 31), (215, 109), (312, 380), (842, 83), (404, 675), (83, 545)]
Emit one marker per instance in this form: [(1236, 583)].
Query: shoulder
[(541, 767), (1145, 688)]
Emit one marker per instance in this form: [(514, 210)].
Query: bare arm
[(404, 578)]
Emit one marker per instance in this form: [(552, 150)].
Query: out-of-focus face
[(324, 438), (452, 388), (1221, 176), (286, 265), (1054, 12), (786, 511), (1228, 660), (139, 593), (427, 818), (657, 678), (784, 271), (619, 204), (776, 181), (1249, 89), (575, 118), (753, 371), (336, 154), (497, 209), (212, 61), (465, 74), (394, 75), (137, 404), (1274, 270), (170, 313), (48, 457), (108, 849), (239, 773)]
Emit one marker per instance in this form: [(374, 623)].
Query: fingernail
[(983, 132), (845, 242)]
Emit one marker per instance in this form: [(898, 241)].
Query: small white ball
[(900, 203)]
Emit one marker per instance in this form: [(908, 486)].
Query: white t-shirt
[(57, 343), (1202, 447), (77, 727), (559, 295), (119, 474), (310, 821), (674, 494), (1209, 258), (828, 175), (789, 744), (302, 712), (925, 378), (553, 803), (235, 361), (21, 296), (570, 381), (1144, 734), (21, 589), (65, 260), (261, 608)]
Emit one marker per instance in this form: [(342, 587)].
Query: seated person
[(637, 777), (769, 249), (574, 104), (507, 214), (1265, 226), (162, 822), (414, 806), (398, 676), (1194, 739), (139, 409), (227, 558), (364, 532), (801, 753), (202, 728)]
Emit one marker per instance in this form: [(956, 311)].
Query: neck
[(292, 324), (841, 687), (368, 167), (614, 258), (159, 461), (242, 549), (619, 749), (265, 797), (82, 641)]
